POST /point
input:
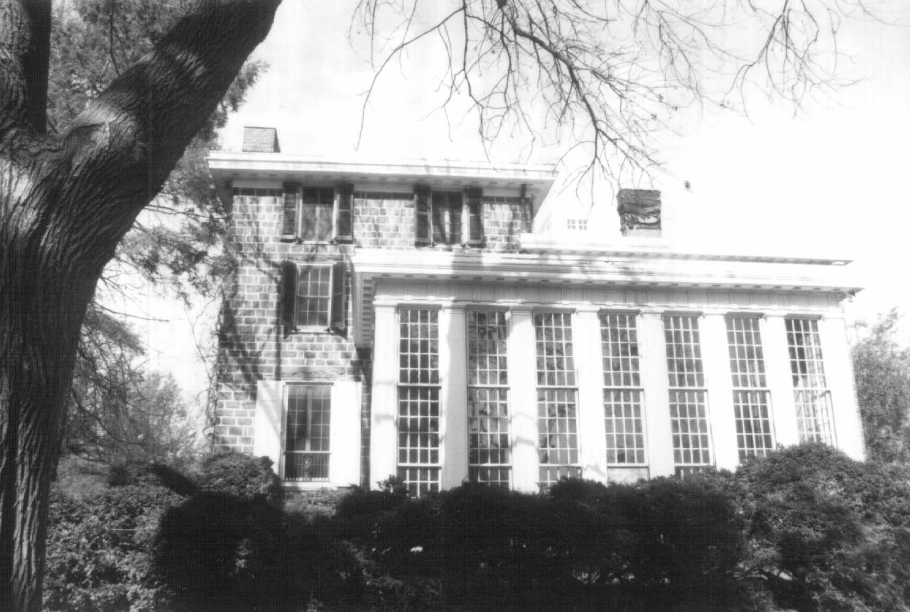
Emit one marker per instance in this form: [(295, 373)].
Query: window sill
[(314, 485)]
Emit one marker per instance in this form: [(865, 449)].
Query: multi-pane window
[(577, 225), (316, 210), (557, 406), (418, 400), (688, 394), (810, 388), (751, 398), (314, 296), (306, 440), (317, 214), (622, 389), (446, 213), (489, 457), (448, 217)]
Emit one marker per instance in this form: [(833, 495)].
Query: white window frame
[(339, 191), (465, 196), (819, 426), (292, 319), (749, 382), (679, 383), (404, 469), (477, 385), (570, 388), (630, 369), (285, 413)]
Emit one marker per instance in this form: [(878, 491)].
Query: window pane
[(688, 397), (813, 400), (307, 426), (314, 296), (446, 212), (316, 214), (750, 394), (557, 418), (418, 400)]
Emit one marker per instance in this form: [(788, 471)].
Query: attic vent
[(639, 212), (260, 140)]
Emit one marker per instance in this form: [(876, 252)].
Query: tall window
[(751, 405), (622, 389), (489, 457), (688, 394), (418, 400), (306, 440), (557, 406), (810, 389)]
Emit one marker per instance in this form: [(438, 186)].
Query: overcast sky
[(830, 181)]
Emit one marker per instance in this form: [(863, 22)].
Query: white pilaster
[(589, 369), (716, 356), (384, 400), (656, 391), (848, 428), (780, 380), (453, 380), (522, 353)]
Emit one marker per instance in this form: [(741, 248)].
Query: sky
[(829, 181)]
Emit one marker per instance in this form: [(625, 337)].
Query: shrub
[(240, 475), (100, 547), (826, 532)]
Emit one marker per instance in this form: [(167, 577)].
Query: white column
[(780, 380), (522, 354), (848, 428), (384, 399), (716, 357), (656, 391), (589, 369), (453, 381)]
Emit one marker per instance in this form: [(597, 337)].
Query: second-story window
[(317, 214), (314, 296), (448, 217), (688, 394)]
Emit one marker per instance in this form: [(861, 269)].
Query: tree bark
[(65, 203)]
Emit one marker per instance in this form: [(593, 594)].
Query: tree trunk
[(65, 203)]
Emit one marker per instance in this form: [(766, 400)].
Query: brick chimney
[(260, 140), (639, 212)]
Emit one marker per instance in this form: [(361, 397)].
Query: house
[(406, 319)]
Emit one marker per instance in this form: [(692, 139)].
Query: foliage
[(93, 41), (100, 550), (825, 532), (239, 475), (117, 413), (584, 541), (882, 370)]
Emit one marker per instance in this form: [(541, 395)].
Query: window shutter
[(289, 211), (474, 206), (423, 229), (339, 312), (344, 217), (289, 296), (267, 423)]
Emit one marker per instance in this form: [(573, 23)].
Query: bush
[(240, 475), (100, 548), (826, 532), (583, 542)]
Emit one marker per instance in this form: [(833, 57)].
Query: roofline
[(277, 166)]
